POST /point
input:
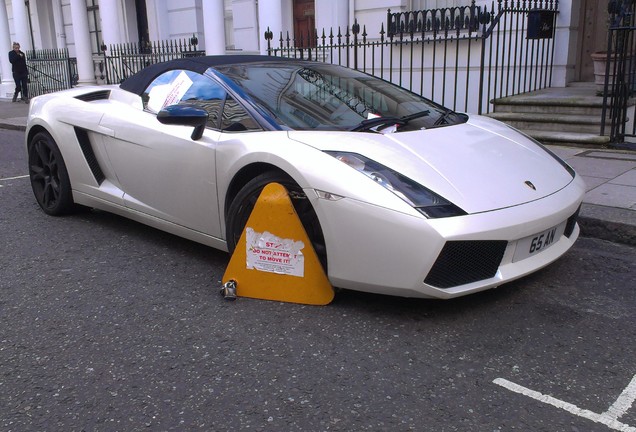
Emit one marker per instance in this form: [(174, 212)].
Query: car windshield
[(307, 96)]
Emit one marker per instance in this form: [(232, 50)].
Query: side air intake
[(89, 154), (94, 96)]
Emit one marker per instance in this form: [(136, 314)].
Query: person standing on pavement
[(20, 72)]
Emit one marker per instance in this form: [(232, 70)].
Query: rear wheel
[(49, 177), (241, 207)]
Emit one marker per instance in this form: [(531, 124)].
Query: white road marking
[(608, 418), (14, 178), (624, 401)]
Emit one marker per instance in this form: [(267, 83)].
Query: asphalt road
[(106, 324)]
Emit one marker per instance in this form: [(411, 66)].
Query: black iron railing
[(50, 70), (123, 60), (462, 57), (620, 71)]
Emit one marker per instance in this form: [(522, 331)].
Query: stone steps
[(569, 138), (550, 122), (564, 116), (549, 106)]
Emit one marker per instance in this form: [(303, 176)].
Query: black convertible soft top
[(138, 82)]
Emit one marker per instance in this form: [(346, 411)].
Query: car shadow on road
[(126, 234), (402, 305)]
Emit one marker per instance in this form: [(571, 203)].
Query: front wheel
[(241, 207), (49, 178)]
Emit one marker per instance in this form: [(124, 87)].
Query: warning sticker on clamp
[(269, 253)]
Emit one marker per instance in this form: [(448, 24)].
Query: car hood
[(480, 166)]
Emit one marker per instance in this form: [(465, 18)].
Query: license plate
[(537, 243)]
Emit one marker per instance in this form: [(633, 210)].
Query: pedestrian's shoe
[(15, 97), (25, 100)]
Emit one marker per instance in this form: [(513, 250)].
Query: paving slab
[(611, 155), (600, 167), (566, 152), (593, 182), (613, 195), (627, 179)]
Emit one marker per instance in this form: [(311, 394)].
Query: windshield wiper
[(444, 118), (408, 118), (367, 124), (371, 123)]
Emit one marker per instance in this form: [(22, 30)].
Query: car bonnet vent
[(94, 96)]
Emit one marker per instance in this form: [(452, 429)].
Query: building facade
[(87, 28)]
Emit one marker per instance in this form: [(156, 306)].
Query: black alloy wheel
[(49, 178), (241, 207)]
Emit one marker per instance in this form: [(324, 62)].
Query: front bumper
[(383, 251)]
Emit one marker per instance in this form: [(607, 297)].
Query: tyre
[(241, 207), (49, 177)]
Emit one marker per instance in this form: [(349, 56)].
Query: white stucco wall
[(245, 25)]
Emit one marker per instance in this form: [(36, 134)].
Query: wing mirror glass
[(183, 115)]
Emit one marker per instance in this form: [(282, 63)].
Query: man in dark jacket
[(20, 72)]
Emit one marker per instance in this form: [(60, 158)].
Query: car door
[(162, 171)]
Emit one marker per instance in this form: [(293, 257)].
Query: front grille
[(462, 262), (569, 227)]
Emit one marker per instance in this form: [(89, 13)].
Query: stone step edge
[(568, 137), (552, 118), (574, 101)]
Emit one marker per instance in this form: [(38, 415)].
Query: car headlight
[(425, 201)]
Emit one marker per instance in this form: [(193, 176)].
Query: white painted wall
[(331, 13), (174, 19), (157, 19), (245, 32)]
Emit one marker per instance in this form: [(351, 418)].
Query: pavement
[(609, 207)]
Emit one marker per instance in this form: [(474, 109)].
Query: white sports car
[(398, 195)]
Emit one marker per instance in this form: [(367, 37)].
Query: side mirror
[(184, 115)]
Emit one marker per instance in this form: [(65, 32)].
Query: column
[(7, 86), (58, 22), (270, 14), (21, 25), (157, 12), (214, 26), (83, 52), (111, 32)]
